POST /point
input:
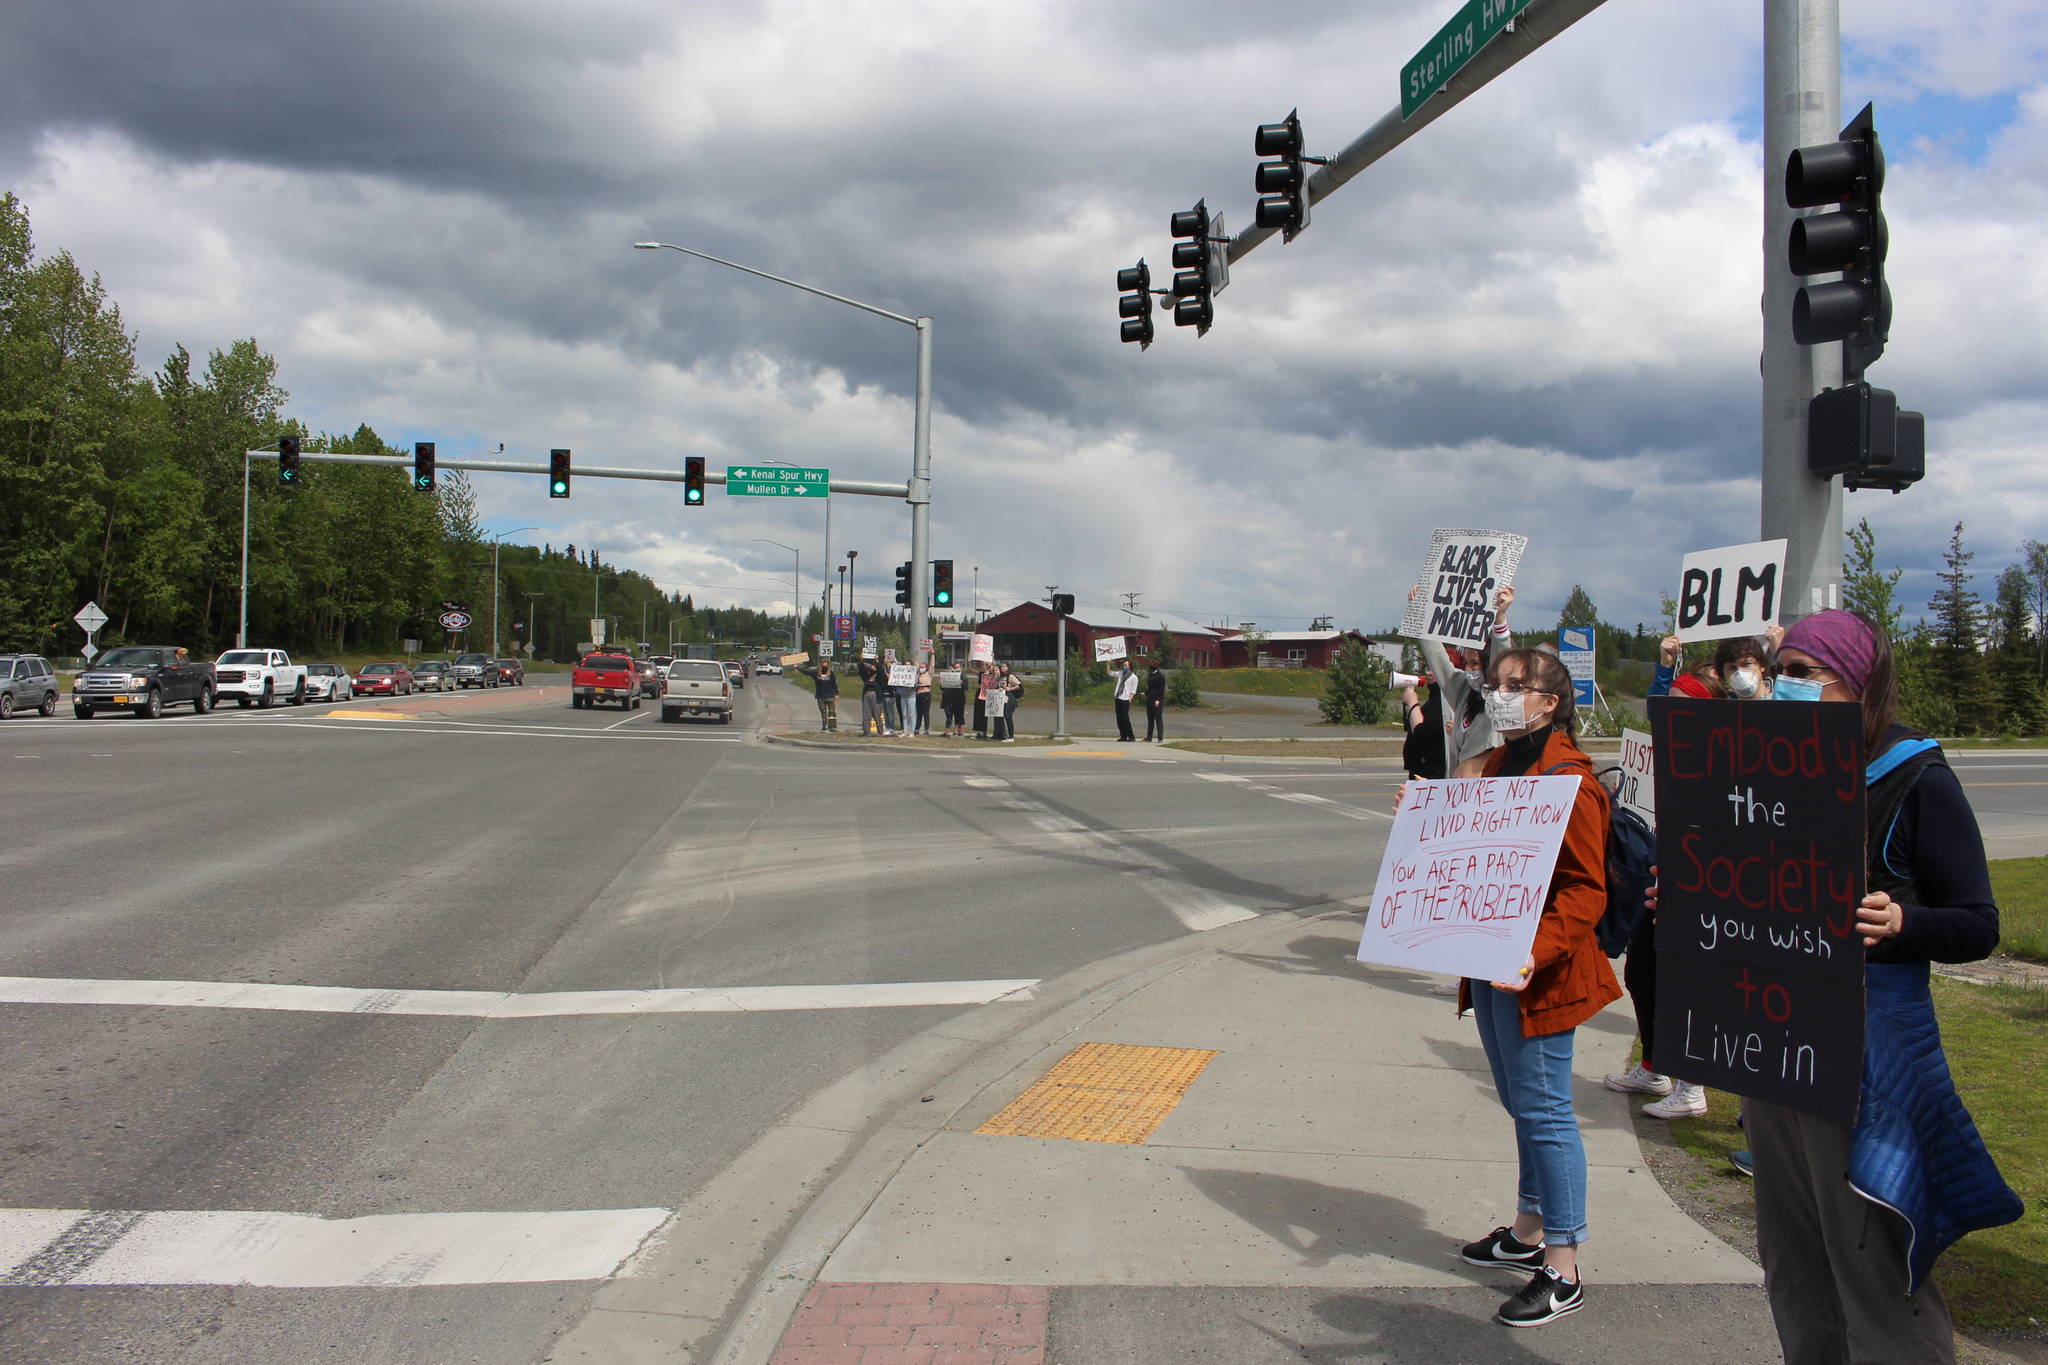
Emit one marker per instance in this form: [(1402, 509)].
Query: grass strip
[(2020, 886)]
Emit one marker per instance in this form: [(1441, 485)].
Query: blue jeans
[(1533, 1077)]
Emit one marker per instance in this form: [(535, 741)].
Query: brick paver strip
[(917, 1324)]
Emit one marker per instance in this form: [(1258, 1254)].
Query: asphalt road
[(574, 963), (427, 856)]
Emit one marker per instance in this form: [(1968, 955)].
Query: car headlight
[(138, 680)]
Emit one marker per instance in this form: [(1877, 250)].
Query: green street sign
[(1441, 58), (774, 481)]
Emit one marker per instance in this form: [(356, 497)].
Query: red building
[(1286, 648), (1027, 635)]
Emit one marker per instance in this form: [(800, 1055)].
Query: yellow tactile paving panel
[(1103, 1092)]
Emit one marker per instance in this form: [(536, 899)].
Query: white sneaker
[(1686, 1101), (1638, 1080)]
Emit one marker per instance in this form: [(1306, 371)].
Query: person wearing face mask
[(1528, 1025), (1468, 735)]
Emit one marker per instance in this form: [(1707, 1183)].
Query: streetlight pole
[(851, 555), (496, 538), (796, 589), (532, 626), (919, 494)]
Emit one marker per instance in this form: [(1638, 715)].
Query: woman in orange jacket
[(1527, 1025)]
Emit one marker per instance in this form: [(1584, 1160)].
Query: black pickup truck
[(143, 679)]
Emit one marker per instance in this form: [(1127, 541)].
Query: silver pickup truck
[(696, 687)]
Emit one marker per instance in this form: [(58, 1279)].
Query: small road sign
[(1575, 646), (1441, 58), (87, 651), (772, 481), (455, 620), (90, 618)]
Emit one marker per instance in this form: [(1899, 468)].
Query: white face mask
[(1743, 683), (1511, 711)]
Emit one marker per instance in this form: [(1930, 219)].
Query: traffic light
[(1857, 309), (1134, 302), (558, 473), (903, 584), (1191, 251), (693, 480), (1063, 604), (942, 582), (1282, 183), (287, 460), (1860, 433), (423, 466)]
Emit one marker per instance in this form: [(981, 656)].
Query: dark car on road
[(27, 683), (432, 675), (388, 680), (474, 670), (143, 679), (653, 669), (511, 672)]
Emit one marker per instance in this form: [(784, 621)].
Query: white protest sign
[(1465, 875), (1638, 790), (1459, 579), (902, 675), (1110, 647), (1730, 591), (951, 679), (982, 649)]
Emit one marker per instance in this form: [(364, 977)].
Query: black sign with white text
[(1760, 870)]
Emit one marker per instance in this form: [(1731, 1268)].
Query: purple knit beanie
[(1841, 641)]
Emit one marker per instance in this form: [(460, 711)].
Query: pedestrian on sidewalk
[(984, 683), (953, 701), (873, 720), (1155, 703), (903, 703), (825, 687), (1527, 1025), (1851, 1219), (1002, 703), (1126, 688), (1422, 720), (924, 699), (1468, 735)]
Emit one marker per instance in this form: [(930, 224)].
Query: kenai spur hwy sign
[(776, 481), (1470, 29)]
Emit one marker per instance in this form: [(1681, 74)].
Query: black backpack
[(1631, 849)]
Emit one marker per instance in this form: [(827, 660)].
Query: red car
[(392, 680)]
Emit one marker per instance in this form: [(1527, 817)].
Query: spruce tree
[(1957, 656)]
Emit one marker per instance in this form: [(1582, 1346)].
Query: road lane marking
[(428, 727), (638, 714), (986, 783), (43, 1247), (1349, 812), (244, 995)]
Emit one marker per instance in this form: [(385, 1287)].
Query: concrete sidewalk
[(1302, 1196)]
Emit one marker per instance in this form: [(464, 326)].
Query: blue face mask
[(1796, 689)]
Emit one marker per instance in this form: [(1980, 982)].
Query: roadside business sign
[(842, 628), (1474, 26), (773, 481), (1575, 651), (455, 620)]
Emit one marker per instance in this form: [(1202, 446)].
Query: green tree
[(1165, 651), (1866, 590), (1579, 610), (2023, 708), (1956, 654), (1356, 691), (1182, 687)]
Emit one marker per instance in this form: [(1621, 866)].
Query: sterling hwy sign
[(774, 481), (1470, 29)]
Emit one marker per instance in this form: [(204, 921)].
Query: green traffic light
[(560, 489), (945, 599)]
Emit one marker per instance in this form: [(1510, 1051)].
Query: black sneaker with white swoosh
[(1547, 1297), (1499, 1248)]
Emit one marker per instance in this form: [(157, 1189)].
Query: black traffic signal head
[(558, 473), (1860, 433), (903, 584), (1857, 309), (1134, 303), (287, 460), (693, 480), (1192, 268), (1282, 183), (1063, 604), (942, 582), (423, 466)]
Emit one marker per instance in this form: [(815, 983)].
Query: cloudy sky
[(424, 210)]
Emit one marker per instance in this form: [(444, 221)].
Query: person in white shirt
[(1126, 688)]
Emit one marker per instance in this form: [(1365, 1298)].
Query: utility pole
[(1059, 717), (1802, 108), (532, 626), (1130, 602)]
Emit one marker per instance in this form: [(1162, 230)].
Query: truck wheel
[(299, 693), (202, 703), (242, 702), (725, 719), (267, 700), (82, 712), (152, 705)]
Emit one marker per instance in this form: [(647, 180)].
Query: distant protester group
[(897, 711)]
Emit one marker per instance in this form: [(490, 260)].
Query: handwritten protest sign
[(793, 660), (951, 679), (982, 649), (1110, 647), (1459, 579), (1760, 863), (1465, 874), (1730, 591), (902, 675), (1638, 789)]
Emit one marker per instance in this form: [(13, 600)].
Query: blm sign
[(1459, 579), (1760, 866), (1732, 591)]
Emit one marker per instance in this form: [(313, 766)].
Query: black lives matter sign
[(1459, 580), (1760, 871)]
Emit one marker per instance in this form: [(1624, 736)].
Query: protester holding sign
[(953, 700), (1847, 1261), (1527, 1025), (1126, 688), (1468, 735)]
